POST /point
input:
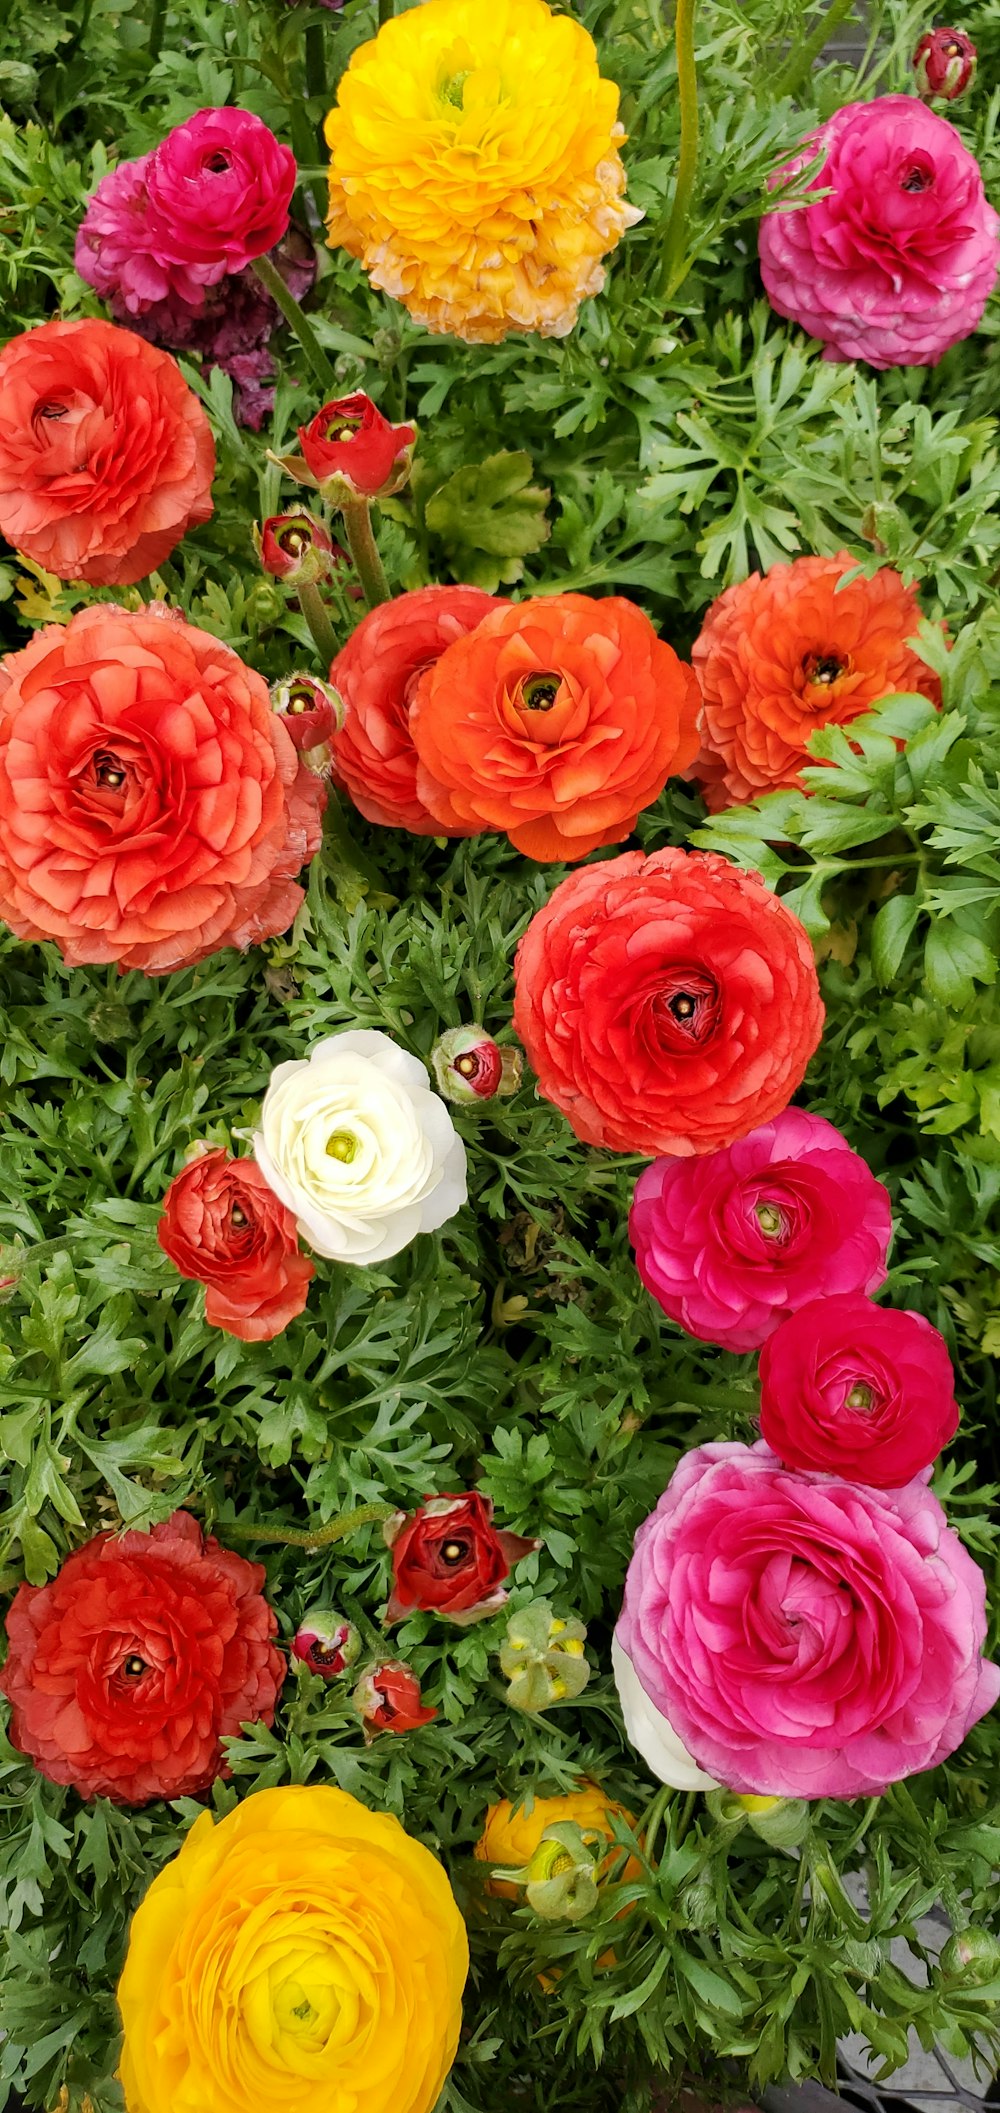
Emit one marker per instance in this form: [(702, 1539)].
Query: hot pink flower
[(730, 1244), (857, 1390), (803, 1636), (897, 263)]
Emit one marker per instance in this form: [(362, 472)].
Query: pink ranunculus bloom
[(857, 1390), (116, 250), (897, 263), (804, 1636), (730, 1244), (219, 189)]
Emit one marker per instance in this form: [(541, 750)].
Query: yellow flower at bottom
[(511, 1836), (301, 1954), (475, 168)]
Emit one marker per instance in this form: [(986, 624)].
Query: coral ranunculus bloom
[(782, 654), (668, 1004), (376, 674), (106, 456), (475, 168), (300, 1954), (152, 805), (224, 1227), (557, 721)]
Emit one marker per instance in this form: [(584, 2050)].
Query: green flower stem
[(650, 1825), (386, 10), (317, 617), (157, 22), (675, 264), (799, 64), (289, 1537), (273, 283), (364, 550), (315, 63)]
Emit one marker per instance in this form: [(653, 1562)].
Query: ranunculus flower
[(311, 711), (857, 1390), (556, 720), (295, 547), (145, 1651), (667, 1004), (804, 1636), (219, 188), (226, 1229), (387, 1698), (781, 655), (898, 262), (648, 1730), (449, 1558), (326, 1643), (106, 456), (470, 1067), (944, 63), (730, 1244), (512, 1833), (362, 1152), (302, 1951), (377, 674), (353, 451), (152, 806)]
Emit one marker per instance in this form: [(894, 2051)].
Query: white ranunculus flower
[(651, 1733), (354, 1142)]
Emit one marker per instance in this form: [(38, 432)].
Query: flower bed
[(499, 798)]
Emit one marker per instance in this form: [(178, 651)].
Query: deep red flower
[(295, 547), (311, 711), (387, 1698), (857, 1390), (668, 1004), (326, 1643), (223, 1226), (349, 440), (142, 1654), (448, 1558), (944, 63)]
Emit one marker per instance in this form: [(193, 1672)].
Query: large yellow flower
[(303, 1954), (475, 167)]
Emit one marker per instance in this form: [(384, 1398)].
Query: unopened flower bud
[(782, 1822), (294, 548), (351, 451), (945, 64), (312, 710), (387, 1698), (326, 1643), (542, 1658), (972, 1956), (469, 1066), (561, 1880)]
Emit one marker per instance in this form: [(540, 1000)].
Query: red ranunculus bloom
[(448, 1558), (668, 1004), (224, 1227), (387, 1698), (106, 456), (296, 547), (944, 63), (376, 674), (142, 1654), (152, 805), (857, 1390), (350, 440)]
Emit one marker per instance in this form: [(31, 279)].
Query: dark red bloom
[(326, 1643), (861, 1391), (312, 710), (223, 1226), (387, 1698), (349, 440), (944, 63), (295, 547), (126, 1672), (448, 1558)]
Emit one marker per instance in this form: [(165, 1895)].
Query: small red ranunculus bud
[(945, 64), (312, 710), (355, 453), (326, 1643), (295, 548), (225, 1228), (387, 1698), (448, 1559), (469, 1066)]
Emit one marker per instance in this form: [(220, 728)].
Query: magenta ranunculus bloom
[(897, 263), (803, 1636), (857, 1390), (732, 1243)]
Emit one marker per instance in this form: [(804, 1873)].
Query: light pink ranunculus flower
[(896, 265), (116, 248), (730, 1244), (803, 1636)]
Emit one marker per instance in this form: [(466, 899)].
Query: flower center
[(237, 1217), (539, 692), (216, 163), (467, 1066), (323, 1653), (823, 667), (342, 428), (453, 1552), (860, 1396), (134, 1666), (52, 410), (453, 90), (688, 1007), (342, 1145), (917, 176), (109, 770), (771, 1219)]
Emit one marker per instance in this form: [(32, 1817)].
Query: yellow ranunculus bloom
[(475, 168), (303, 1954), (510, 1837)]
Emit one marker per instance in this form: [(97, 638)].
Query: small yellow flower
[(305, 1951), (475, 166), (512, 1836)]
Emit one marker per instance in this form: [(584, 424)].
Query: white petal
[(651, 1733)]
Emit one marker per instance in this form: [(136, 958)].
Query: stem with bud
[(292, 1537), (364, 550), (675, 263)]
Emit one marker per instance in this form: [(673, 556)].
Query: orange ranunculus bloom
[(782, 654), (511, 1834), (106, 456), (556, 721), (302, 1954)]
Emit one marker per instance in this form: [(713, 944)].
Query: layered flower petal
[(225, 1228)]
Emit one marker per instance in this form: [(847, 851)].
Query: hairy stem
[(799, 64), (675, 264), (357, 515), (317, 617), (273, 283), (290, 1537)]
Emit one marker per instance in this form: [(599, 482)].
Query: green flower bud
[(561, 1881), (542, 1658), (972, 1956)]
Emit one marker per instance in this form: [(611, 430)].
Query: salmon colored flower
[(152, 805), (557, 721), (352, 451), (301, 1953), (223, 1227), (376, 674), (511, 1833), (475, 166), (387, 1698), (106, 456), (783, 654)]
